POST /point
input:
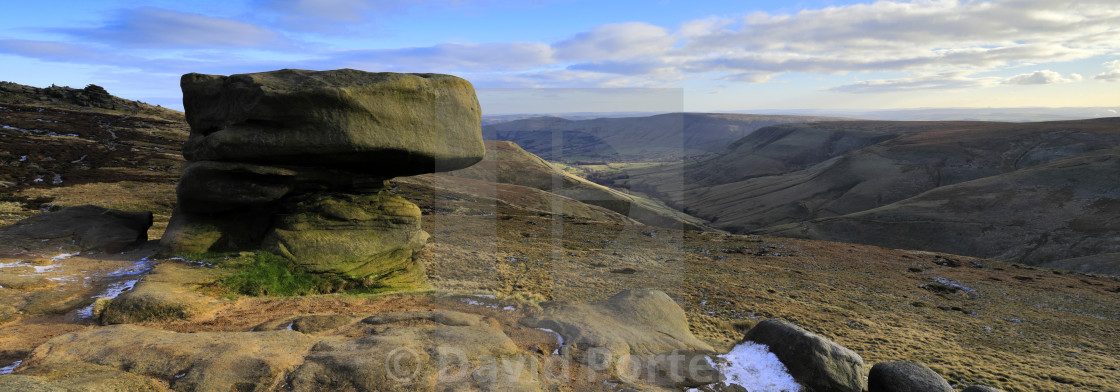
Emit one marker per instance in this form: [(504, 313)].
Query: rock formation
[(905, 376), (467, 349), (295, 162), (815, 362), (77, 229)]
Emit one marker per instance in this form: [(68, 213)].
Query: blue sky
[(610, 56)]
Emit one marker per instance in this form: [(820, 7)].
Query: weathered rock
[(201, 361), (229, 231), (315, 323), (639, 323), (79, 228), (209, 187), (445, 317), (417, 358), (905, 376), (22, 279), (167, 292), (295, 162), (353, 235), (813, 361), (77, 377), (385, 123), (981, 388)]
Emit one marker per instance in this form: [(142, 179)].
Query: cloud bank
[(932, 44)]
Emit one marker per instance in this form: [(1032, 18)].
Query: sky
[(553, 56)]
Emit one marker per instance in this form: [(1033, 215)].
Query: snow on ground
[(8, 369), (754, 367)]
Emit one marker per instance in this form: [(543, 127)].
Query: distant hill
[(507, 164), (61, 146), (92, 98), (663, 137), (1027, 192)]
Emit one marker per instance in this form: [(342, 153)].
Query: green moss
[(264, 273)]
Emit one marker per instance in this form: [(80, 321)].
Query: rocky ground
[(498, 252)]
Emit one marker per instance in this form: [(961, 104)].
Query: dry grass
[(1022, 329)]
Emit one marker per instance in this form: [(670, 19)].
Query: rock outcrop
[(77, 229), (295, 162), (905, 376), (635, 329), (815, 362), (415, 350)]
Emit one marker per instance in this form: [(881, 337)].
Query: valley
[(520, 231)]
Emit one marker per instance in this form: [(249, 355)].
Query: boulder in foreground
[(905, 376), (813, 361), (77, 229)]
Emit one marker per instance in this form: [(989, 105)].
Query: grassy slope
[(653, 138), (508, 163), (123, 159), (1022, 329), (794, 173), (1025, 329)]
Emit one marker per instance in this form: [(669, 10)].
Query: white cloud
[(621, 41), (160, 28), (1042, 77), (336, 15), (917, 36), (1112, 73), (54, 51), (923, 40), (450, 57), (943, 81)]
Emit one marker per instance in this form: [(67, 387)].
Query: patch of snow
[(141, 266), (484, 304), (8, 369), (953, 284), (57, 179), (559, 339), (754, 367), (289, 327), (65, 256), (9, 265), (44, 268), (193, 262), (23, 158), (13, 128), (116, 289)]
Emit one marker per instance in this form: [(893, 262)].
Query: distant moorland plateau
[(1045, 193), (989, 251)]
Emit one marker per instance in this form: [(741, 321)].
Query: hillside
[(507, 163), (815, 173), (663, 137), (499, 240), (58, 145)]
